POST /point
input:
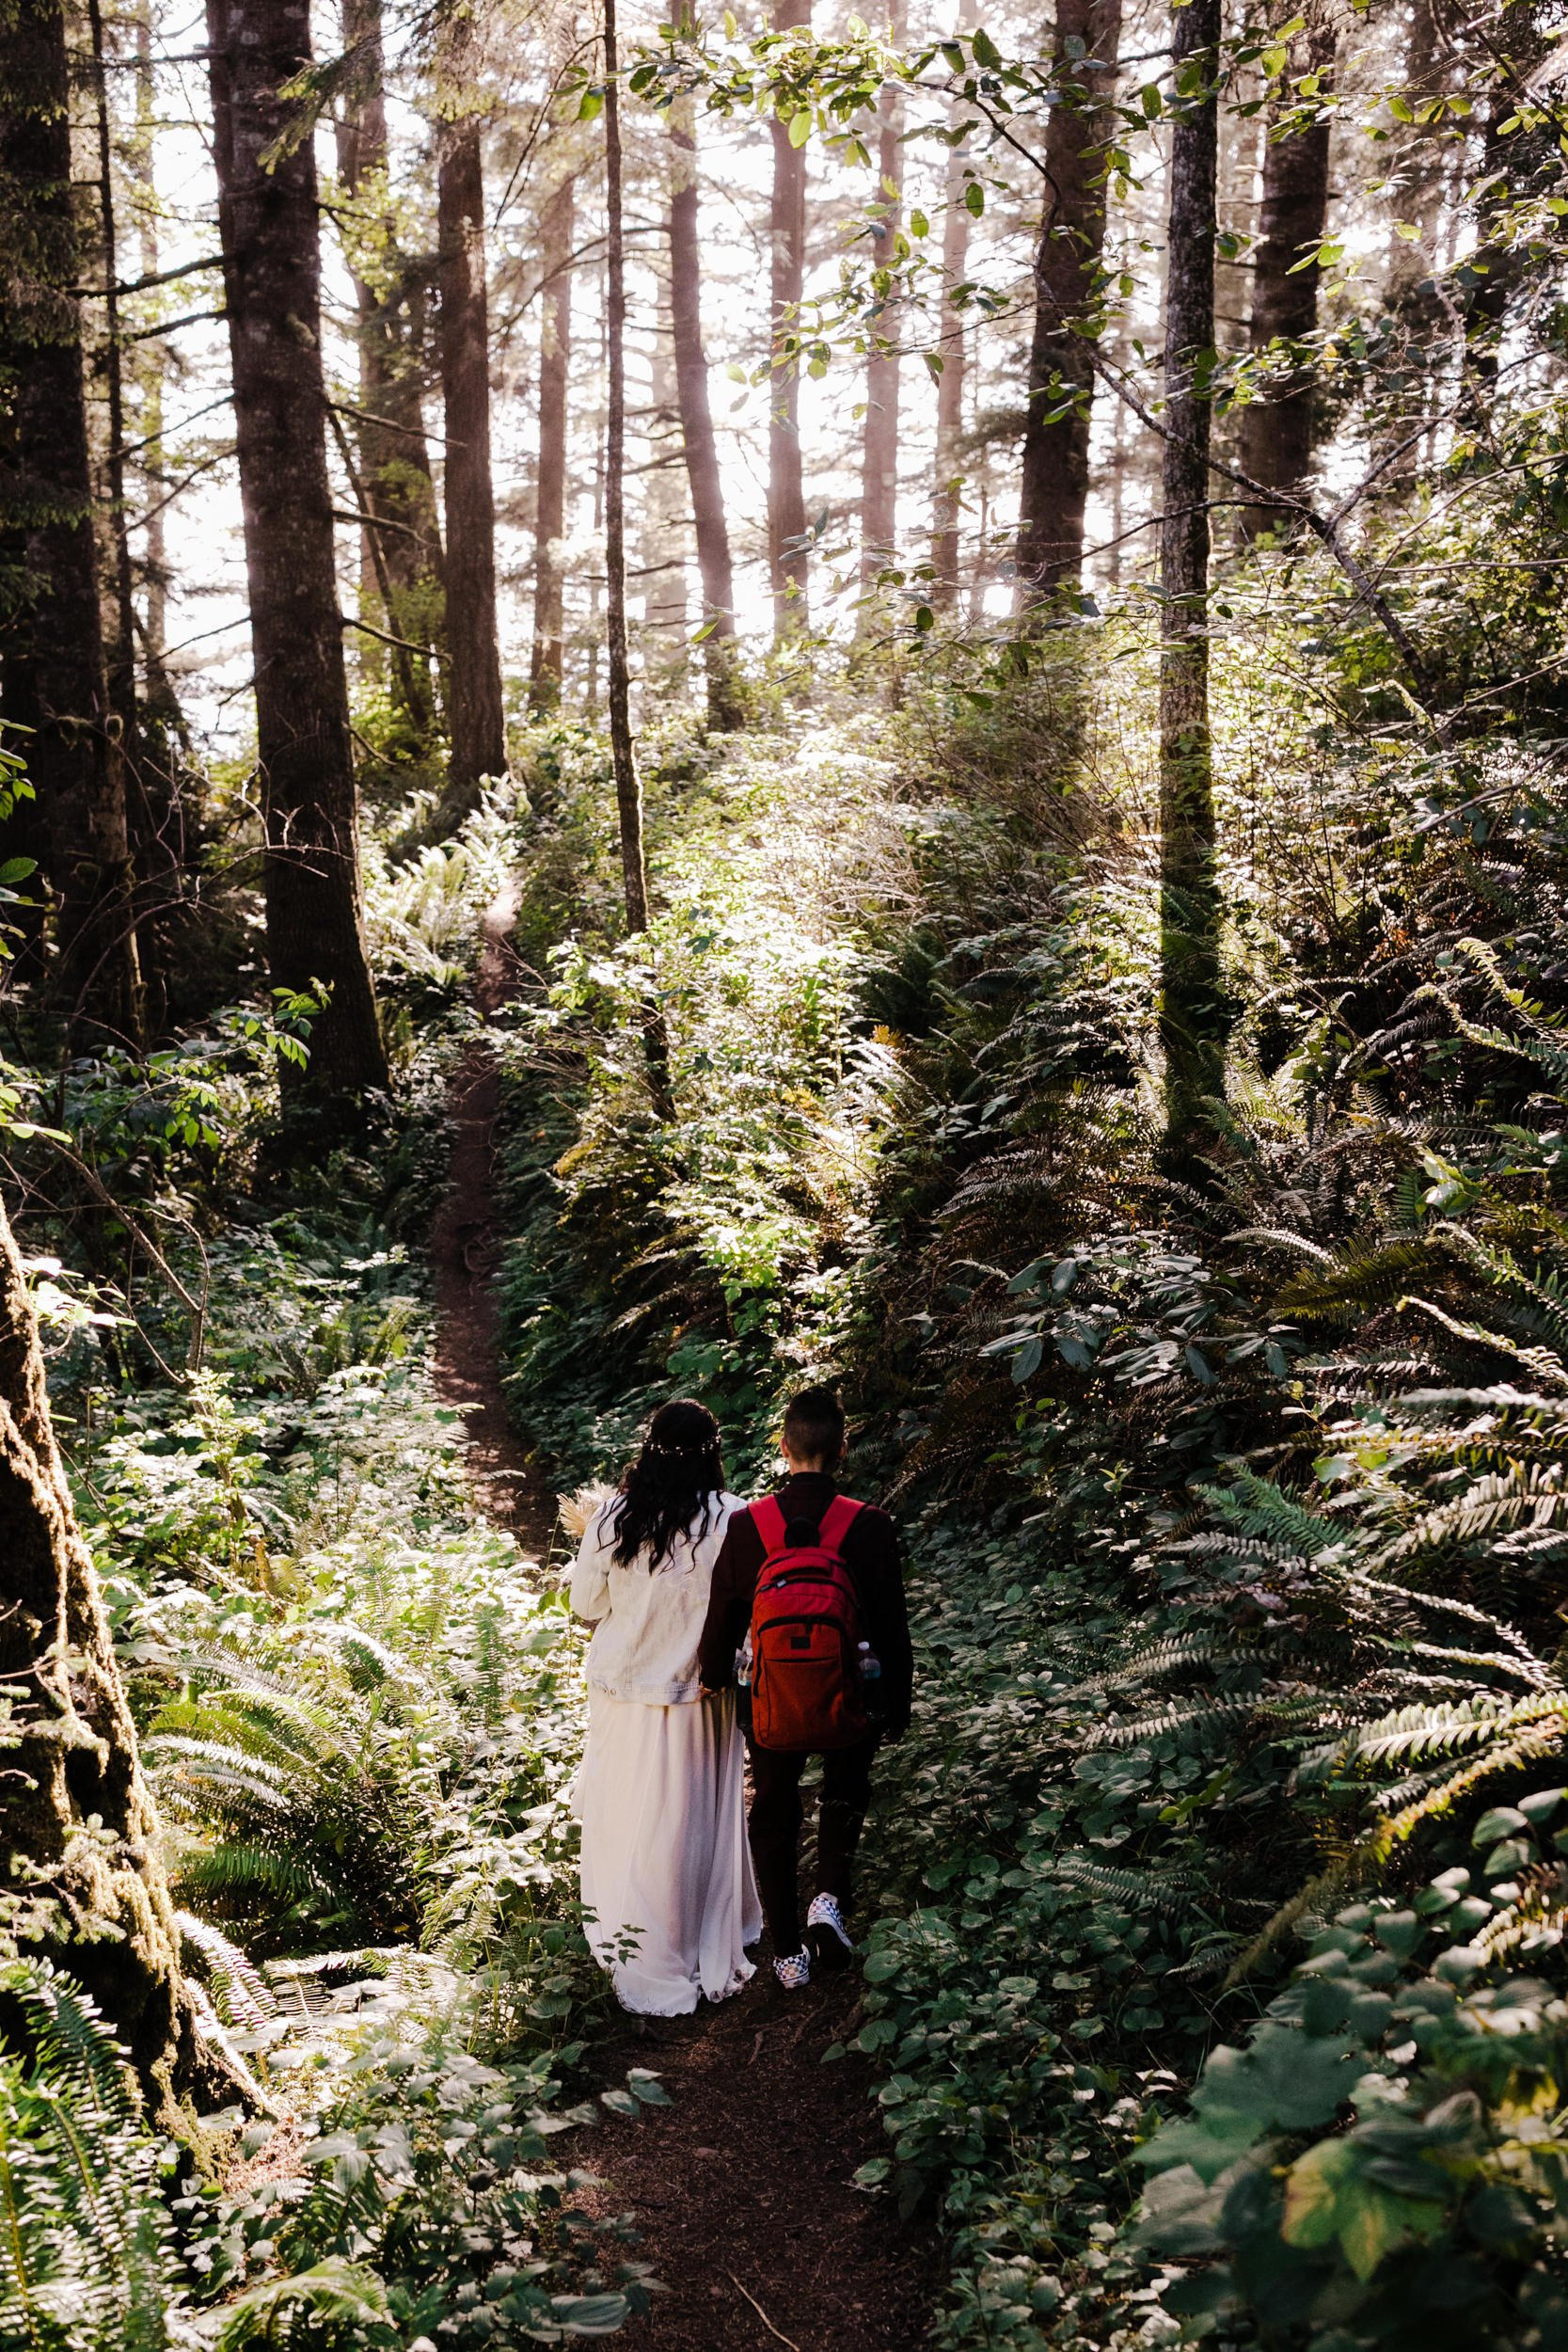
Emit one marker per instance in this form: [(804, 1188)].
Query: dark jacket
[(871, 1556)]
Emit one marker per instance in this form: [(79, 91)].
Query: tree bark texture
[(400, 562), (628, 784), (56, 680), (1275, 438), (664, 500), (122, 667), (952, 349), (880, 442), (1193, 1024), (93, 1899), (714, 565), (557, 229), (787, 498), (1055, 478), (476, 713), (267, 218), (1510, 173)]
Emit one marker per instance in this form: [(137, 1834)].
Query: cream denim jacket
[(647, 1627)]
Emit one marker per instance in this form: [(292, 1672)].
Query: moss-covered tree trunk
[(80, 1877)]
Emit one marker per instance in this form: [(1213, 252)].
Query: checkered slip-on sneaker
[(795, 1972), (827, 1937)]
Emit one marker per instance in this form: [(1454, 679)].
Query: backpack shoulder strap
[(768, 1520), (837, 1520)]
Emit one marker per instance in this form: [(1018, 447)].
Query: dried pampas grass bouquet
[(576, 1510)]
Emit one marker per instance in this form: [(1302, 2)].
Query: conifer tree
[(476, 713), (1193, 1019), (1066, 268), (268, 224), (714, 565), (1276, 430), (56, 680), (787, 561)]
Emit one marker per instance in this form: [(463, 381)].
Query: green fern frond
[(1547, 1367), (1417, 1731), (1256, 1506), (203, 1763), (1362, 1861), (237, 1868), (283, 2312), (1169, 1892), (1359, 1278), (242, 1994), (1169, 1657), (1534, 1496), (1179, 1718)]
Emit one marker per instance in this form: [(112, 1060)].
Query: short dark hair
[(814, 1426)]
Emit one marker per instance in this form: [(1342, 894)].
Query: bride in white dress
[(666, 1870)]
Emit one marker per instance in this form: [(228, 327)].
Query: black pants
[(774, 1829)]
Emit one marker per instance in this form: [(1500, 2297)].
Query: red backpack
[(806, 1689)]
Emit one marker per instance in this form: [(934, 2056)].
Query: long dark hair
[(679, 1472)]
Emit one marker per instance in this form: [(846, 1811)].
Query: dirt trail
[(465, 1253), (742, 2187)]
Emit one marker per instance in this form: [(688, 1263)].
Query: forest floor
[(742, 2187)]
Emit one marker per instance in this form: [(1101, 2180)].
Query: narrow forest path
[(742, 2188), (464, 1254)]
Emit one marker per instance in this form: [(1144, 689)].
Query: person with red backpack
[(807, 1602)]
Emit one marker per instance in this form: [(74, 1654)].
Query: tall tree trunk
[(1192, 1021), (56, 680), (1276, 431), (628, 784), (267, 220), (952, 349), (156, 812), (122, 667), (80, 1850), (880, 443), (476, 713), (401, 562), (725, 708), (557, 229), (664, 525), (787, 498), (150, 361), (1067, 272), (1508, 164)]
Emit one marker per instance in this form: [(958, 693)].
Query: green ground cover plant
[(1234, 1513), (360, 1709)]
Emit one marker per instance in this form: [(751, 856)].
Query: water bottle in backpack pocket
[(807, 1688)]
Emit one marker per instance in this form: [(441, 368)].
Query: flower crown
[(656, 1445)]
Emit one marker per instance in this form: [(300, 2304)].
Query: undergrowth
[(1214, 1977), (360, 1709)]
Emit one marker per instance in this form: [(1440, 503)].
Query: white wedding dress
[(666, 1870)]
